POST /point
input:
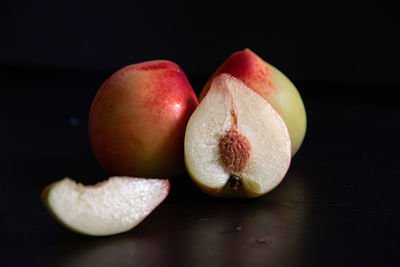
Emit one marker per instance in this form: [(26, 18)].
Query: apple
[(272, 85), (236, 143), (138, 118), (113, 206)]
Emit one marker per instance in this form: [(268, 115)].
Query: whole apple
[(272, 85), (138, 118)]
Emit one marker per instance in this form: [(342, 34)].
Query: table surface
[(337, 206)]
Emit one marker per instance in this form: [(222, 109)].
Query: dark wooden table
[(337, 206)]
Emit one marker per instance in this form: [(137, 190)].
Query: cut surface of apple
[(236, 144), (110, 207)]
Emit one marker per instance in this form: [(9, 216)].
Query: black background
[(337, 206), (308, 40)]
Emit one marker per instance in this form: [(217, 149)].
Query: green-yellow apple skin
[(271, 84), (138, 118)]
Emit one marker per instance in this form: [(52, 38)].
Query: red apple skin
[(138, 118), (272, 85)]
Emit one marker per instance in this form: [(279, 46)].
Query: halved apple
[(110, 207), (236, 143)]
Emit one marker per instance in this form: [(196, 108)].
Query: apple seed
[(235, 150)]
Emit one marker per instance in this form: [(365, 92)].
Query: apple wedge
[(110, 207), (236, 143)]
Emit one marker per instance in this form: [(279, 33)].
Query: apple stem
[(235, 182)]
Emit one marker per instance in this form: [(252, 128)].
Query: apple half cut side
[(236, 143), (113, 206)]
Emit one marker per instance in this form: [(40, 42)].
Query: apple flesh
[(236, 143), (272, 85), (138, 118), (110, 207)]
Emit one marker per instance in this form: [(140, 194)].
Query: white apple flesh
[(110, 207), (236, 143)]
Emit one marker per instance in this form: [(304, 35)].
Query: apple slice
[(236, 143), (110, 207)]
